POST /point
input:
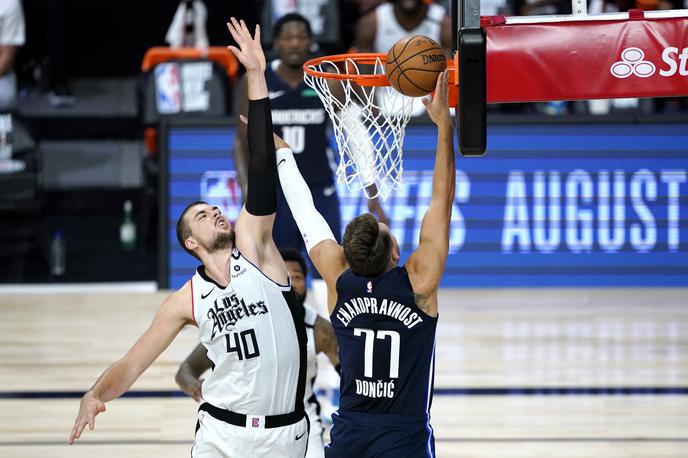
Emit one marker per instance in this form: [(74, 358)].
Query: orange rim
[(359, 58)]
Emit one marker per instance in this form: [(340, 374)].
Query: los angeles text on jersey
[(358, 305), (227, 310)]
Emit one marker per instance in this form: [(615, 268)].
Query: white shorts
[(316, 446), (216, 438)]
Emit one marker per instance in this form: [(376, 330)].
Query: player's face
[(209, 228), (394, 255), (293, 44), (298, 280)]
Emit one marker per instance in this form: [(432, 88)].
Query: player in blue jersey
[(384, 316), (299, 117)]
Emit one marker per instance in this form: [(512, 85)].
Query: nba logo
[(255, 422), (221, 188), (168, 93), (370, 286)]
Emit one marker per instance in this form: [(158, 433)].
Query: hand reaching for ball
[(438, 105)]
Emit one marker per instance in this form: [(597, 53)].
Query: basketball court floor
[(520, 373)]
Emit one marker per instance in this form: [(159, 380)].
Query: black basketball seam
[(409, 80), (399, 64), (394, 58), (394, 61)]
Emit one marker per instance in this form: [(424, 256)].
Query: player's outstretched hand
[(89, 408), (438, 108), (250, 52), (279, 141)]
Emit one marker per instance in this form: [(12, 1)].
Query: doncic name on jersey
[(229, 309), (358, 305)]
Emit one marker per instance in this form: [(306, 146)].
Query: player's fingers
[(239, 55), (72, 434), (440, 83), (78, 427), (91, 421), (256, 36), (244, 28), (233, 31), (243, 119)]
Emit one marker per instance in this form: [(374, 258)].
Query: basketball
[(413, 65)]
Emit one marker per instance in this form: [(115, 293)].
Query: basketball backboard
[(469, 39)]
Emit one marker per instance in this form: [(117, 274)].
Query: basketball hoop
[(369, 119)]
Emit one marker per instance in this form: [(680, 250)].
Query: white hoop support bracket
[(634, 54)]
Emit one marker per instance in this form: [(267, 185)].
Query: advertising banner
[(567, 205)]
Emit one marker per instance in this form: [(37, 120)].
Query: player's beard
[(223, 241)]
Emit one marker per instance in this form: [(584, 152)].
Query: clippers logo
[(370, 286), (632, 63)]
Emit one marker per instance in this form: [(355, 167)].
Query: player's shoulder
[(180, 302)]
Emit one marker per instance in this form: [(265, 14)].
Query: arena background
[(563, 325)]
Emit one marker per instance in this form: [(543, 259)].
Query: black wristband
[(261, 195)]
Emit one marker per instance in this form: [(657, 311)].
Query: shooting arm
[(426, 264), (324, 251), (240, 150)]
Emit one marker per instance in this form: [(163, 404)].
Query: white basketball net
[(369, 124)]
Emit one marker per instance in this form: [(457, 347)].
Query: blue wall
[(563, 205)]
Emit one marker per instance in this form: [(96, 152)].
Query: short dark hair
[(183, 229), (366, 249), (290, 254), (290, 17)]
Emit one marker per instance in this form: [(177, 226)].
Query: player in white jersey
[(320, 336), (241, 300), (378, 30)]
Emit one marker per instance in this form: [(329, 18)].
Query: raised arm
[(240, 148), (426, 265), (255, 221), (325, 253), (189, 373), (173, 314)]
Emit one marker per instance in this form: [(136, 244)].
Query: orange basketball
[(413, 65)]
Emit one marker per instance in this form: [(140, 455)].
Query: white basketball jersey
[(389, 31), (311, 404), (255, 339)]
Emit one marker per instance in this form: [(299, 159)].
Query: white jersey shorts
[(218, 439)]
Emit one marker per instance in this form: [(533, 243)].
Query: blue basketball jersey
[(386, 345), (299, 117)]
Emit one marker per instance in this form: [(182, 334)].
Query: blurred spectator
[(47, 34), (11, 37), (540, 7), (188, 27), (378, 30), (329, 21)]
